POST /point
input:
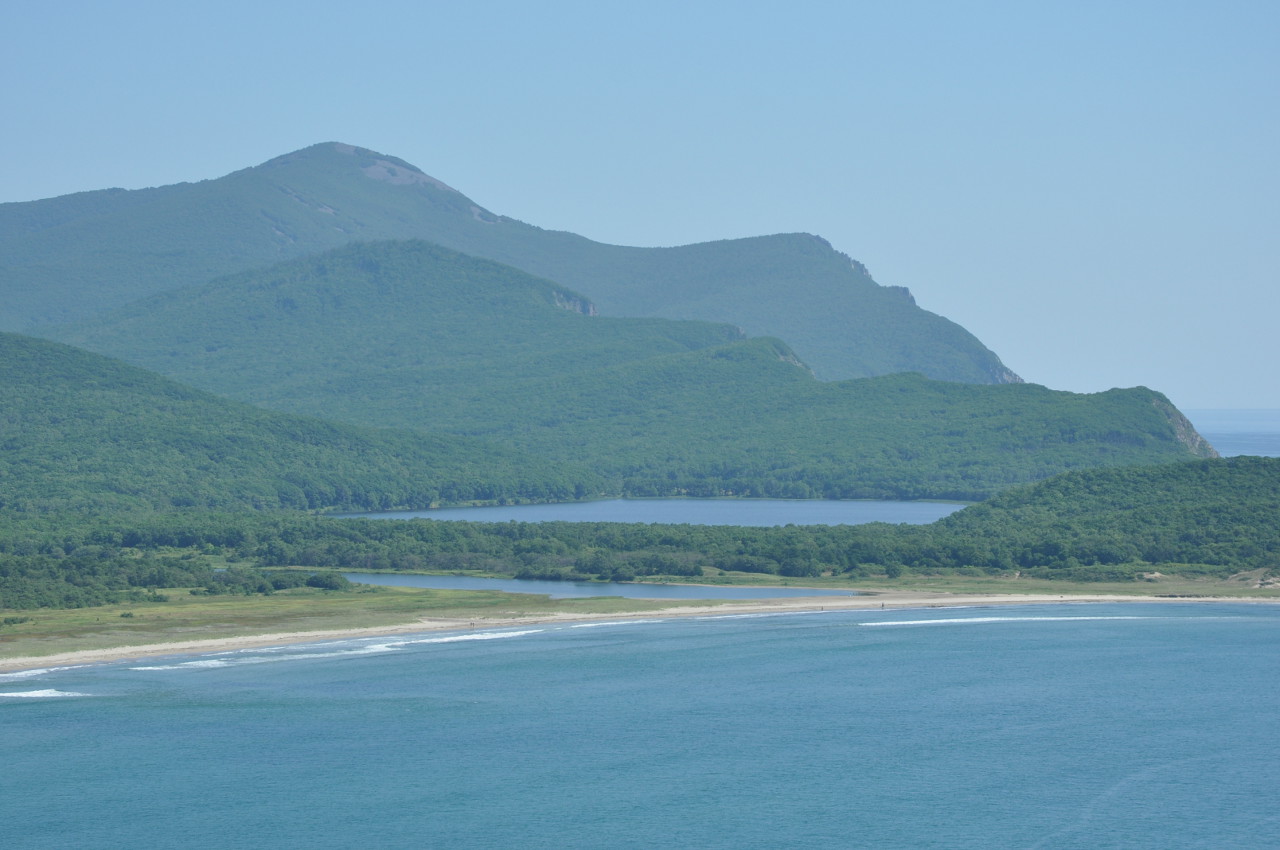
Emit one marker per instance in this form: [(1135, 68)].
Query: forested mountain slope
[(85, 432), (412, 335), (68, 258)]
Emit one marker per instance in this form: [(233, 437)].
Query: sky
[(1091, 188)]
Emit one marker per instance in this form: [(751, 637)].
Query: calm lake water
[(755, 512), (1084, 726), (581, 589)]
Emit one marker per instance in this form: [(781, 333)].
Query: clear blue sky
[(1090, 187)]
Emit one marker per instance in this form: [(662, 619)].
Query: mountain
[(413, 335), (69, 258), (361, 325), (85, 432)]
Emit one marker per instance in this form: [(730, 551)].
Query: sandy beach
[(880, 600)]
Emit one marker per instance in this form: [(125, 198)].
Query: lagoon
[(584, 589), (751, 512)]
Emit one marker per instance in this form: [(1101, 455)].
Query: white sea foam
[(28, 674), (210, 663), (758, 615), (25, 674), (468, 636), (614, 623), (275, 654), (202, 663), (952, 621), (47, 693)]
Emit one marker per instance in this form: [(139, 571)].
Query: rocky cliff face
[(1004, 375), (1185, 431), (574, 303)]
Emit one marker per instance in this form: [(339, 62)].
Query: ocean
[(1054, 726), (1240, 432)]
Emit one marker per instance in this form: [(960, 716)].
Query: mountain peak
[(792, 286), (374, 165), (389, 169)]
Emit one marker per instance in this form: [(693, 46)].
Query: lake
[(753, 512), (581, 589), (1057, 726)]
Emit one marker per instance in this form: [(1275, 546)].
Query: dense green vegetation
[(98, 575), (1221, 513), (71, 257), (1212, 517), (81, 431), (407, 374), (378, 320), (411, 335)]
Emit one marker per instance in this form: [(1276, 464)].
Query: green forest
[(413, 336), (82, 432), (241, 358), (1209, 518)]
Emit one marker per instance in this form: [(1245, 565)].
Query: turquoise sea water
[(1057, 726)]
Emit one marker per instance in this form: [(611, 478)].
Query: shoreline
[(888, 600)]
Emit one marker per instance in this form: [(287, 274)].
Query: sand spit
[(876, 601)]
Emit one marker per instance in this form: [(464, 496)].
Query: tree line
[(1213, 517)]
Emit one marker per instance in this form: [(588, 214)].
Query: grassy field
[(185, 617)]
